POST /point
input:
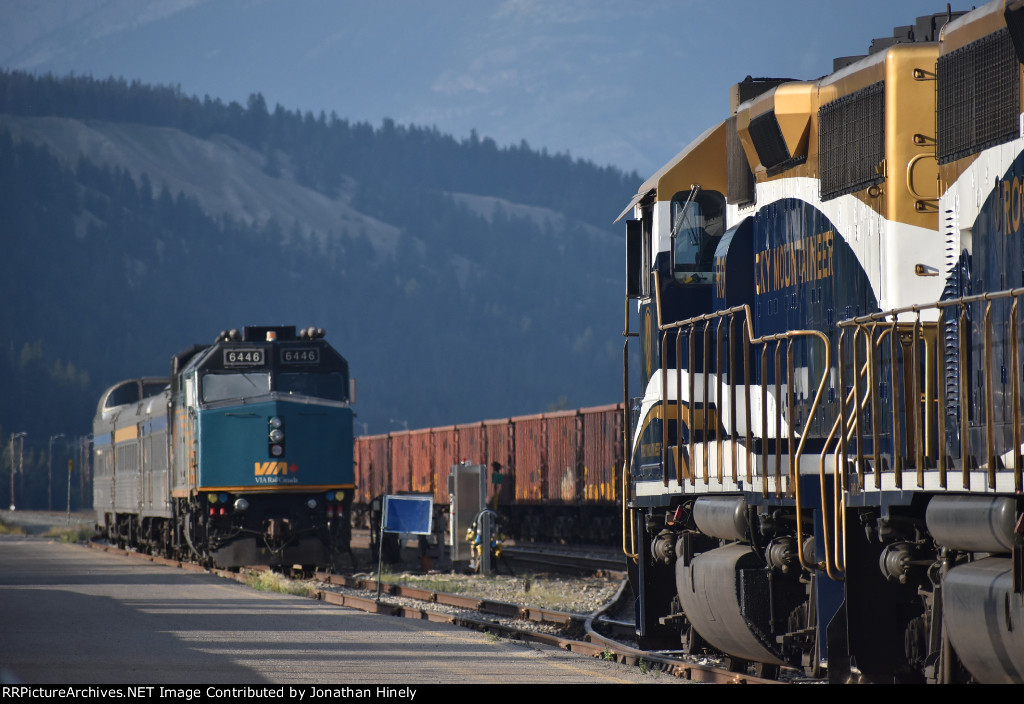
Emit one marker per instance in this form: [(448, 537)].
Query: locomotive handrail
[(929, 449), (849, 427), (877, 328), (918, 307), (921, 199), (852, 425), (629, 549), (1015, 394), (749, 339)]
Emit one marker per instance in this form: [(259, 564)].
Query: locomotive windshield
[(329, 385), (698, 223), (220, 387)]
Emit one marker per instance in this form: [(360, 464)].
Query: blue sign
[(408, 514)]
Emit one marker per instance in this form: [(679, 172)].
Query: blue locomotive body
[(243, 457), (827, 457)]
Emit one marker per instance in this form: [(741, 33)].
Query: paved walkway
[(74, 615)]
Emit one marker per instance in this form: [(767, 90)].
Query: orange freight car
[(560, 471)]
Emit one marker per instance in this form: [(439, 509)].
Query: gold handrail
[(835, 555), (990, 442), (913, 400), (629, 549), (679, 415), (926, 441), (803, 437), (1015, 395), (921, 199), (750, 339)]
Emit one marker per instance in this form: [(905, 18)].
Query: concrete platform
[(74, 615)]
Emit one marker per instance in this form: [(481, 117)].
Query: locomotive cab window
[(698, 223), (330, 386), (153, 388), (128, 392), (220, 387)]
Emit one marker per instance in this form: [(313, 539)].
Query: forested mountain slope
[(463, 280)]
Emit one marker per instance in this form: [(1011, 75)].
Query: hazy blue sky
[(617, 82)]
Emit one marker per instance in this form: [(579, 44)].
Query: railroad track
[(596, 635), (564, 560)]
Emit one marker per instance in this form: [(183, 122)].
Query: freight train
[(825, 464), (560, 472), (243, 456)]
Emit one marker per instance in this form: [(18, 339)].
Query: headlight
[(241, 505), (312, 504), (275, 436)]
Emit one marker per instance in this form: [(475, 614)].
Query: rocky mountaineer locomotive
[(242, 457), (826, 459)]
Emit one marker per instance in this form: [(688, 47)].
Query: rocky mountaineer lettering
[(1013, 203), (793, 263)]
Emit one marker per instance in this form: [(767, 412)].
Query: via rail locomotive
[(826, 456), (242, 457)]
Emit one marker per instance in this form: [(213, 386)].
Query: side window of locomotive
[(698, 223), (128, 392), (330, 386), (647, 453), (221, 387), (153, 389)]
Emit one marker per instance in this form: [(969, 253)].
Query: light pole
[(15, 436), (49, 473)]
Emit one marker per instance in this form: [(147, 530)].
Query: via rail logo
[(276, 473)]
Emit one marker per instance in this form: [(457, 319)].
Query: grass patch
[(10, 529), (434, 583), (274, 582), (649, 668), (69, 535), (543, 593)]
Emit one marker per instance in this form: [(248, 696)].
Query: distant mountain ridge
[(462, 281), (224, 176)]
